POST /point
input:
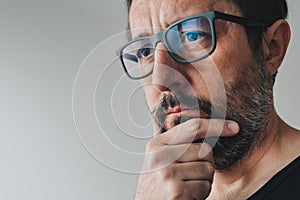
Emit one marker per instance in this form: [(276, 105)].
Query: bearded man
[(208, 68)]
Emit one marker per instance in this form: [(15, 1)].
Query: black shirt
[(285, 185)]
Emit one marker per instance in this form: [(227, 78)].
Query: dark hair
[(267, 11)]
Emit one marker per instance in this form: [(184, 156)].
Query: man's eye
[(194, 36), (144, 52)]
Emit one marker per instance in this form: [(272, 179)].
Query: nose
[(167, 73)]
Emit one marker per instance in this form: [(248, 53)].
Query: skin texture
[(177, 168)]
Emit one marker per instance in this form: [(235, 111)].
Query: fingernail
[(233, 126)]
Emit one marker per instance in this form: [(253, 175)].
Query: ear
[(277, 38)]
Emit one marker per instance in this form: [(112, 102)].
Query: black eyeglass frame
[(210, 16)]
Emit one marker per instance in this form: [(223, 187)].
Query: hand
[(176, 168)]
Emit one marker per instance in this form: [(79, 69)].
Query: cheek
[(207, 81), (200, 77), (232, 56)]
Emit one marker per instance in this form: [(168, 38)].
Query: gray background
[(42, 46)]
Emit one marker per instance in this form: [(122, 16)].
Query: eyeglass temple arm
[(241, 20)]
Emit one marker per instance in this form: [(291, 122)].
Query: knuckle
[(154, 155), (151, 145), (168, 173), (153, 160), (206, 188), (210, 169), (158, 155), (176, 190), (154, 145)]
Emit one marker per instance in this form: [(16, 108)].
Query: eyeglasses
[(188, 40)]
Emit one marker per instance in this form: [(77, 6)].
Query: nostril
[(173, 102), (164, 103)]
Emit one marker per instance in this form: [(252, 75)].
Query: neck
[(253, 171), (248, 163)]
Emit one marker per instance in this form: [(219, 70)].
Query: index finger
[(195, 129)]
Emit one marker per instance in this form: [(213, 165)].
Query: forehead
[(162, 13)]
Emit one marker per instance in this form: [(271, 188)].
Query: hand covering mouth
[(174, 110)]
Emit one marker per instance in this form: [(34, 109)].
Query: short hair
[(267, 11)]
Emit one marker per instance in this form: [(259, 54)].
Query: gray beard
[(249, 103)]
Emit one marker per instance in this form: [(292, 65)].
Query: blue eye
[(194, 36), (144, 52)]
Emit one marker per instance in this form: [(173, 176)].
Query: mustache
[(171, 100)]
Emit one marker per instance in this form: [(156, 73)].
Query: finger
[(197, 189), (195, 129), (201, 170), (193, 152), (161, 156)]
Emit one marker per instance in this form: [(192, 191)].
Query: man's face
[(176, 92)]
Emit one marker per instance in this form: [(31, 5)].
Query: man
[(208, 69)]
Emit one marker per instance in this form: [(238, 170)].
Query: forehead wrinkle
[(174, 10), (159, 14), (144, 10), (140, 24)]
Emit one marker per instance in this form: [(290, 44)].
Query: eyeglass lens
[(186, 41)]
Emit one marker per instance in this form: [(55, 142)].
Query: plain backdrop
[(43, 43)]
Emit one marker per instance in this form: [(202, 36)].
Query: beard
[(249, 102)]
